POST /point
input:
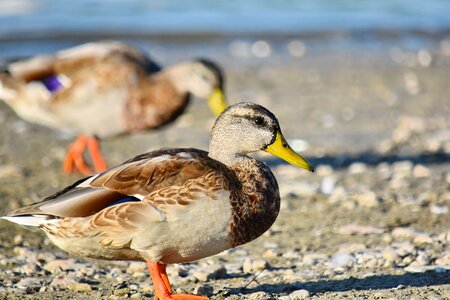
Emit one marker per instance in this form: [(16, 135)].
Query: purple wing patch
[(52, 83)]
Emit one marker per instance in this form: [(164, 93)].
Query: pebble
[(210, 272), (390, 255), (422, 238), (439, 209), (342, 260), (59, 264), (403, 248), (351, 248), (420, 171), (355, 229), (204, 290), (339, 194), (63, 280), (328, 184), (404, 232), (299, 295), (357, 168), (29, 284), (137, 267), (79, 287), (422, 269), (367, 199), (258, 295), (444, 259), (314, 258), (136, 296)]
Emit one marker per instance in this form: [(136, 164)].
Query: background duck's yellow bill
[(217, 101), (281, 149)]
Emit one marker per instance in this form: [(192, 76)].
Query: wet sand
[(371, 223)]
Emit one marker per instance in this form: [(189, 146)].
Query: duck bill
[(217, 101), (281, 149)]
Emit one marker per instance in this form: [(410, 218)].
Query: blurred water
[(22, 19)]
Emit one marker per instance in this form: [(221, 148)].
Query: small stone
[(123, 292), (402, 168), (291, 254), (404, 232), (9, 171), (390, 255), (314, 258), (270, 253), (136, 296), (324, 170), (299, 295), (210, 272), (367, 199), (445, 236), (422, 259), (250, 266), (79, 287), (423, 238), (403, 248), (204, 290), (63, 281), (29, 283), (59, 264), (444, 259), (258, 296), (136, 266), (352, 229), (138, 275), (327, 186), (420, 171), (342, 260), (357, 168), (351, 248), (18, 239), (339, 194), (424, 58), (422, 269), (439, 209)]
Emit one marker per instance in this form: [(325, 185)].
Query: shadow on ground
[(376, 282)]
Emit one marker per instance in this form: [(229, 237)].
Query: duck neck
[(257, 202), (228, 158), (256, 205), (176, 74)]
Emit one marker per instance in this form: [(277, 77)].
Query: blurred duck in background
[(104, 89)]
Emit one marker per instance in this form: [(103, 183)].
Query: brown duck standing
[(103, 89), (173, 205)]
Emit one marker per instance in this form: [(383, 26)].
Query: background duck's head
[(247, 127), (203, 79)]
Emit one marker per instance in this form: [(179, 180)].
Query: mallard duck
[(173, 205), (103, 89)]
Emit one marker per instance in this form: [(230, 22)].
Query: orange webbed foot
[(96, 154), (74, 160), (163, 290)]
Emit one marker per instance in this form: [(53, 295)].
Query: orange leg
[(96, 154), (74, 158), (163, 291)]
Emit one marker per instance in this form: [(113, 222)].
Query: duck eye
[(259, 121)]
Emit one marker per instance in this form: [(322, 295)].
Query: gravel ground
[(371, 223)]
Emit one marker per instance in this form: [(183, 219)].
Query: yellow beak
[(281, 149), (217, 101)]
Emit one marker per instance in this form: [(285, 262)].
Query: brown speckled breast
[(256, 206)]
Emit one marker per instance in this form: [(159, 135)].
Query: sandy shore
[(371, 223)]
